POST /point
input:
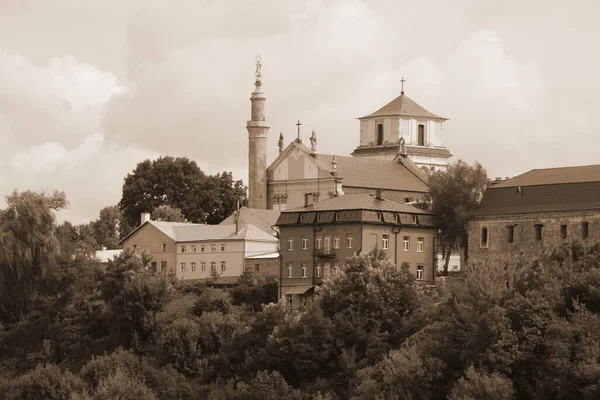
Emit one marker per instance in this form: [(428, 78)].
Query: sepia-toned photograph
[(321, 199)]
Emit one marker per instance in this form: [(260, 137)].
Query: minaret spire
[(258, 131)]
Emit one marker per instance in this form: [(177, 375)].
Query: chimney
[(145, 217), (236, 220), (379, 194), (308, 199)]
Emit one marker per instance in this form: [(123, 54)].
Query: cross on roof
[(402, 81), (298, 125)]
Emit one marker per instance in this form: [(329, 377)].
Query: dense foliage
[(180, 184), (73, 329)]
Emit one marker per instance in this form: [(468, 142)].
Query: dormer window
[(421, 135), (415, 220), (337, 216), (379, 134), (380, 217)]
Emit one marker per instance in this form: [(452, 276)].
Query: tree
[(453, 195), (28, 248), (106, 227), (167, 213), (180, 184)]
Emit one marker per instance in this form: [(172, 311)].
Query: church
[(399, 145)]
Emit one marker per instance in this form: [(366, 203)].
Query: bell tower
[(258, 131)]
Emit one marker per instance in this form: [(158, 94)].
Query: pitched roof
[(377, 174), (540, 198), (550, 176), (186, 232), (403, 106), (264, 219), (360, 201), (429, 151)]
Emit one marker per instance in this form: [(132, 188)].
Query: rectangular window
[(163, 267), (223, 247), (318, 242), (202, 248), (153, 266), (406, 243), (303, 267), (385, 242), (304, 243), (511, 234), (336, 268), (290, 243), (164, 247), (538, 231), (421, 135), (420, 244), (317, 271), (326, 271), (182, 267), (193, 267), (223, 266), (213, 265), (484, 236), (379, 134), (336, 241), (327, 244), (213, 247), (349, 240), (256, 267), (290, 268), (419, 272), (183, 249), (193, 248), (585, 230), (203, 266), (563, 231)]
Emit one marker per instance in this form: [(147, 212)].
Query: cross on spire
[(402, 81), (298, 125)]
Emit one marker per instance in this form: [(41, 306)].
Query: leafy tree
[(123, 387), (28, 248), (266, 386), (475, 385), (180, 184), (453, 195), (45, 382), (107, 227), (213, 300), (167, 213)]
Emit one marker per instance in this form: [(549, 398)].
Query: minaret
[(258, 130)]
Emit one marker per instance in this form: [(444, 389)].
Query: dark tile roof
[(376, 174), (404, 107), (550, 176), (551, 197), (361, 201), (253, 216)]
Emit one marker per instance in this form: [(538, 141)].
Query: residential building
[(317, 239), (198, 251), (264, 265), (261, 218), (536, 210), (104, 255)]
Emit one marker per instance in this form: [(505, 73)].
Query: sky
[(90, 88)]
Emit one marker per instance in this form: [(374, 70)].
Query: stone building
[(317, 239), (199, 251), (538, 209)]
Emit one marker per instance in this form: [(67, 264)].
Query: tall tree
[(28, 248), (106, 227), (453, 195), (181, 184)]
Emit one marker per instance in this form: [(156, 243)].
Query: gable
[(146, 233), (296, 163)]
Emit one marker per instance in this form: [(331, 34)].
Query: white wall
[(233, 257), (257, 248)]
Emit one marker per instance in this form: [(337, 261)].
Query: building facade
[(537, 210), (201, 252), (316, 240)]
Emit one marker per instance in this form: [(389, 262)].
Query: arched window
[(421, 135)]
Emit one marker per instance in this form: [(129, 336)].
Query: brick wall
[(524, 232), (267, 267)]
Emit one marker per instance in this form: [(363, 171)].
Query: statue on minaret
[(280, 142), (258, 131), (313, 143)]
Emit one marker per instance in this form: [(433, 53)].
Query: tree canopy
[(453, 195), (180, 184)]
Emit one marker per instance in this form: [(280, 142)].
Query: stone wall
[(524, 232), (267, 267)]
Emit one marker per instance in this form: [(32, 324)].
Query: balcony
[(325, 253)]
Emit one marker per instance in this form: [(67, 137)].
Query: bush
[(213, 300), (46, 382)]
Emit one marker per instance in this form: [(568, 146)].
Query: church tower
[(258, 130)]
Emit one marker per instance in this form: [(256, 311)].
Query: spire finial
[(257, 73), (298, 138), (402, 81)]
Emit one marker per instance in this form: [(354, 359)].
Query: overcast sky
[(90, 88)]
